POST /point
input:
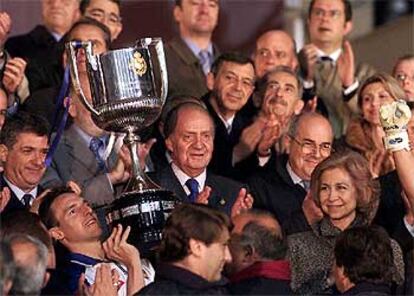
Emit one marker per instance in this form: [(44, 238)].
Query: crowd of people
[(293, 166)]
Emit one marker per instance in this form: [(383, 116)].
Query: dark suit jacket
[(74, 161), (221, 162), (185, 74), (14, 203), (43, 54), (223, 190), (273, 190)]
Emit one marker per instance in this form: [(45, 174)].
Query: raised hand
[(143, 151), (106, 282), (311, 104), (249, 140), (121, 171), (311, 57), (13, 74), (346, 65), (4, 198), (244, 201), (5, 25), (116, 247), (203, 196), (271, 134), (312, 212)]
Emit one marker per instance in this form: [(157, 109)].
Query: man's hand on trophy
[(121, 171), (394, 118)]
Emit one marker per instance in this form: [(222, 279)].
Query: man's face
[(214, 257), (88, 33), (59, 15), (310, 146), (327, 23), (197, 17), (274, 49), (282, 95), (404, 73), (25, 161), (232, 86), (106, 12), (191, 143), (76, 221)]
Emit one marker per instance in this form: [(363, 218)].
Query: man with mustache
[(282, 187), (327, 62), (191, 55), (23, 147)]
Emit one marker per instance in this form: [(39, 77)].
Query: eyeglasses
[(403, 77), (309, 147), (320, 13)]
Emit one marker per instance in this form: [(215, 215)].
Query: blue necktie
[(192, 184), (94, 146), (203, 57)]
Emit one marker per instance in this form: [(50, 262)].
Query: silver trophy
[(129, 88)]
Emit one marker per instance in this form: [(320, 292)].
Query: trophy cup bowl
[(128, 90)]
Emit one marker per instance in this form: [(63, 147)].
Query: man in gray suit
[(190, 55), (189, 133), (328, 62), (80, 155)]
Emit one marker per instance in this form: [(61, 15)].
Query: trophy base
[(146, 213)]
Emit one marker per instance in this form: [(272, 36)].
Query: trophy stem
[(139, 181)]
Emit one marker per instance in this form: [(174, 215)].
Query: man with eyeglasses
[(404, 73), (327, 62), (231, 82), (107, 12), (283, 185)]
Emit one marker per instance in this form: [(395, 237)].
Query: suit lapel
[(169, 181)]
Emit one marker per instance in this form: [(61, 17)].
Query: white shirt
[(20, 193), (295, 178), (227, 123), (183, 177)]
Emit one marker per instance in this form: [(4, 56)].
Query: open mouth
[(91, 221)]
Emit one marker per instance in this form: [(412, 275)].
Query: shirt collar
[(295, 178), (183, 177), (87, 138), (334, 55), (20, 193), (227, 123), (196, 50)]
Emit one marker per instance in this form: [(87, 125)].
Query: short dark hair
[(191, 221), (262, 83), (407, 57), (365, 253), (171, 118), (232, 57), (85, 3), (347, 5), (87, 21), (25, 222), (266, 242), (23, 122), (45, 211)]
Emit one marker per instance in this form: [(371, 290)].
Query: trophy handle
[(72, 47), (157, 44)]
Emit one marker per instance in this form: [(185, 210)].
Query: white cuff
[(397, 141), (263, 160), (307, 84), (409, 227), (354, 86)]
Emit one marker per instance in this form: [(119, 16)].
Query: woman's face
[(373, 97), (337, 195)]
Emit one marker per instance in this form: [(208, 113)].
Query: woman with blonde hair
[(344, 190), (365, 133)]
